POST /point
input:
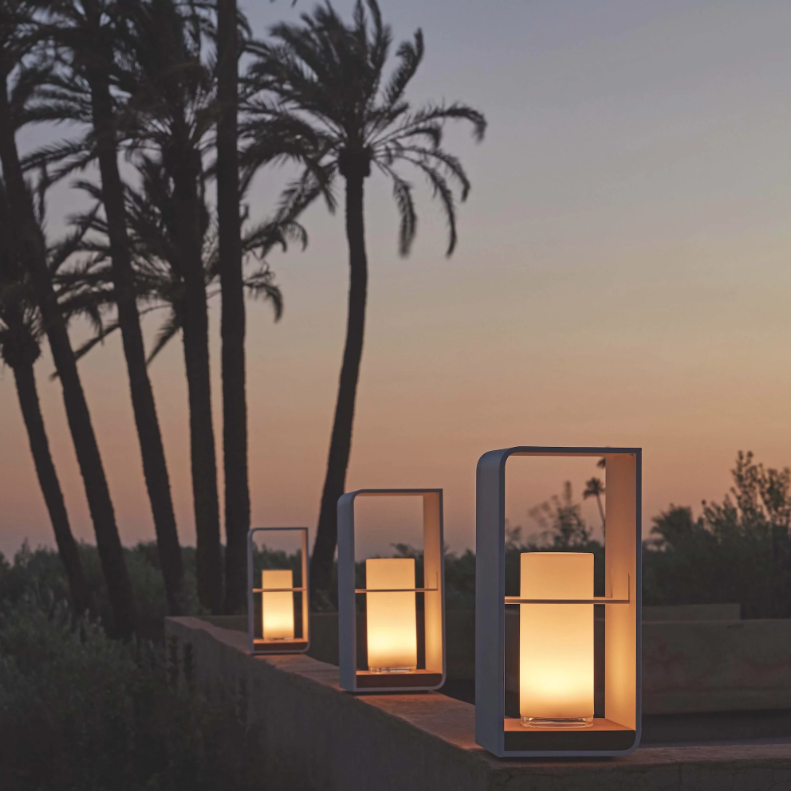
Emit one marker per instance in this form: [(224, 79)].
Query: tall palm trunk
[(24, 376), (149, 435), (340, 444), (32, 254), (234, 400), (195, 331)]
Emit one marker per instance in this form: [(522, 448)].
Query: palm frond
[(69, 156), (171, 327), (449, 164), (260, 285), (439, 113), (402, 193), (299, 194), (411, 55), (262, 238), (443, 192), (96, 340)]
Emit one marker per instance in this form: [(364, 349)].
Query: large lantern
[(556, 711)]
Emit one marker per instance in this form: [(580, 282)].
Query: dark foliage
[(738, 550), (81, 711), (40, 572)]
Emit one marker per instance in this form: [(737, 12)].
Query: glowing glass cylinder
[(556, 640), (277, 610), (391, 617)]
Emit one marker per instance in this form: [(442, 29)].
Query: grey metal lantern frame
[(618, 733), (259, 645), (352, 679)]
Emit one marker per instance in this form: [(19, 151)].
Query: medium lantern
[(277, 605), (556, 651), (394, 646)]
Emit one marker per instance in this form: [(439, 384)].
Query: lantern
[(395, 646), (554, 659), (277, 609)]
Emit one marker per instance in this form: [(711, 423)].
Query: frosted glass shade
[(556, 640), (277, 611), (391, 617)]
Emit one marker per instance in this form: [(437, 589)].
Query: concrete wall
[(716, 666), (311, 736), (694, 612), (688, 666)]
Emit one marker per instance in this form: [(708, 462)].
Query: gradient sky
[(622, 278)]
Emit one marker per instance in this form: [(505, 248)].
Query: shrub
[(40, 572), (738, 550), (81, 711)]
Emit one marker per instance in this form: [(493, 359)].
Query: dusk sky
[(622, 278)]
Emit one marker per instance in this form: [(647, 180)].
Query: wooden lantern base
[(279, 646), (602, 735), (417, 678)]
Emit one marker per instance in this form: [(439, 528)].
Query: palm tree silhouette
[(318, 96), (21, 331), (595, 488), (171, 89), (232, 328), (21, 74), (90, 38)]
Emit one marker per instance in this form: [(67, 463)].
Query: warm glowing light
[(556, 640), (277, 611), (391, 617)]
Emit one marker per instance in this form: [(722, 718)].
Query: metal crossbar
[(395, 590)]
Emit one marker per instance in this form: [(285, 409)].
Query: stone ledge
[(312, 735)]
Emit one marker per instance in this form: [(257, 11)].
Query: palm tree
[(159, 280), (20, 347), (87, 34), (17, 41), (171, 90), (595, 488), (234, 396), (157, 260), (323, 102)]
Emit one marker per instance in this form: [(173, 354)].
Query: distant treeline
[(736, 550)]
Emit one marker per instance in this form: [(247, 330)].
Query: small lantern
[(390, 649), (277, 609), (556, 601)]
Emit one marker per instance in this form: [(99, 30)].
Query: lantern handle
[(395, 590)]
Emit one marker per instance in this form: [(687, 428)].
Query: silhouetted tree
[(594, 487), (18, 35), (85, 90), (234, 396), (172, 91), (738, 549), (324, 103), (561, 522), (158, 262), (20, 347)]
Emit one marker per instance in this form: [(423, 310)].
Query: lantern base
[(393, 669), (558, 723)]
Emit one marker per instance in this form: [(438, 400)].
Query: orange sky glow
[(622, 278)]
